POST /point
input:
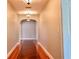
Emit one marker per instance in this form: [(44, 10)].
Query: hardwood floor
[(28, 50)]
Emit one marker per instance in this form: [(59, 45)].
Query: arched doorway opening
[(28, 38), (28, 29)]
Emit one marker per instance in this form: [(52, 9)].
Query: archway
[(28, 29), (28, 38)]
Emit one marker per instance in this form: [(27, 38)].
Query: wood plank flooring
[(28, 50)]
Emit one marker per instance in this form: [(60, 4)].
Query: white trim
[(10, 52), (50, 56), (27, 38), (36, 30)]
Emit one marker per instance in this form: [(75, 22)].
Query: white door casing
[(28, 30)]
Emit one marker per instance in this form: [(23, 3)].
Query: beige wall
[(50, 33), (12, 29), (49, 27)]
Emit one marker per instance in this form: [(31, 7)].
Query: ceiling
[(20, 5)]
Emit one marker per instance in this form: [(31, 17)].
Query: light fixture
[(28, 20), (28, 1), (28, 12), (28, 7)]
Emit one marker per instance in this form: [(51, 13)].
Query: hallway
[(34, 29), (29, 49)]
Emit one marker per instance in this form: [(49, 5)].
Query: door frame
[(21, 31)]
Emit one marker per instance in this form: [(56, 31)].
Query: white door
[(28, 30)]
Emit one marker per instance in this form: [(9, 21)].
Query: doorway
[(28, 29), (28, 39)]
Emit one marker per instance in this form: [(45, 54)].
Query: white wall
[(28, 30)]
